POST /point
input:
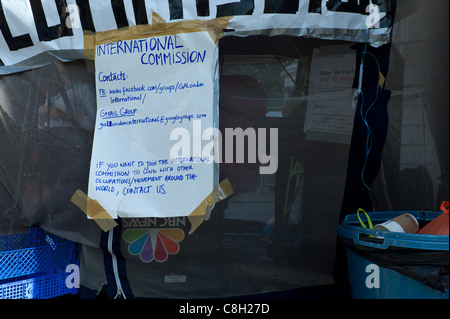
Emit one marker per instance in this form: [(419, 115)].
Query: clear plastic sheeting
[(266, 237), (414, 170)]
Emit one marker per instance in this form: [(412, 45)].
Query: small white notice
[(329, 114), (149, 91)]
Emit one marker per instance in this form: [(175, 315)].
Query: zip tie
[(368, 219)]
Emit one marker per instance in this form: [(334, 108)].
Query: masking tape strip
[(381, 80), (220, 192), (93, 209), (157, 28)]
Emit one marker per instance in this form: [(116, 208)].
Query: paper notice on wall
[(330, 113), (156, 98)]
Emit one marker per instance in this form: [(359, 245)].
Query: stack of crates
[(35, 265)]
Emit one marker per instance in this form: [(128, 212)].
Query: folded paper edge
[(94, 210)]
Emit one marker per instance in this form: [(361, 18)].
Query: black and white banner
[(33, 32)]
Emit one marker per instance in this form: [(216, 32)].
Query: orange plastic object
[(439, 225)]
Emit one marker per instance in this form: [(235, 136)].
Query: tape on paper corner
[(220, 192), (158, 27), (94, 210)]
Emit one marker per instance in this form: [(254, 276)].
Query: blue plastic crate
[(33, 252), (33, 265)]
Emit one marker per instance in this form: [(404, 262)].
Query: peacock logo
[(153, 243)]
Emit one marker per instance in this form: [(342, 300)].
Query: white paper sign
[(149, 91), (330, 108)]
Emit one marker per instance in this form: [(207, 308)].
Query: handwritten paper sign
[(148, 92), (329, 114)]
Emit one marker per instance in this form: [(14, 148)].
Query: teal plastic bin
[(391, 265)]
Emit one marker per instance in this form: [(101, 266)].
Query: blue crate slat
[(33, 264)]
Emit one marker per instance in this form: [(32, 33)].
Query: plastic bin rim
[(390, 234), (349, 231), (385, 215)]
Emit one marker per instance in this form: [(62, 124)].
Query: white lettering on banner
[(24, 24)]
